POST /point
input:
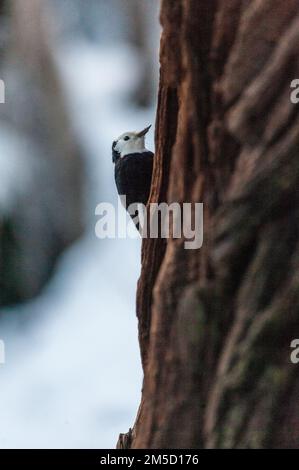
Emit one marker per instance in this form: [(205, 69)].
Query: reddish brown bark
[(215, 324)]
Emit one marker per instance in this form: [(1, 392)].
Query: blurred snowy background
[(78, 73)]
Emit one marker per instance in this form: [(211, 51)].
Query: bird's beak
[(145, 131)]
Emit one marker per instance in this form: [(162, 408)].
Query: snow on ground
[(72, 376)]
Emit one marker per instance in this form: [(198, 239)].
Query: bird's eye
[(127, 137)]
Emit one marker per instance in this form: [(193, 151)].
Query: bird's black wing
[(133, 176)]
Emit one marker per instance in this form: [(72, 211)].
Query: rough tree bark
[(215, 325)]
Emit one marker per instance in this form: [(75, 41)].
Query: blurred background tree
[(143, 35), (42, 172)]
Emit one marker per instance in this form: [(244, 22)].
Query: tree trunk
[(215, 324)]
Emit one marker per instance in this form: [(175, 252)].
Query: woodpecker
[(133, 167)]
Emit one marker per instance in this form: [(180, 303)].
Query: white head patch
[(131, 142)]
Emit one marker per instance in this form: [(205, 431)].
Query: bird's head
[(129, 142)]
